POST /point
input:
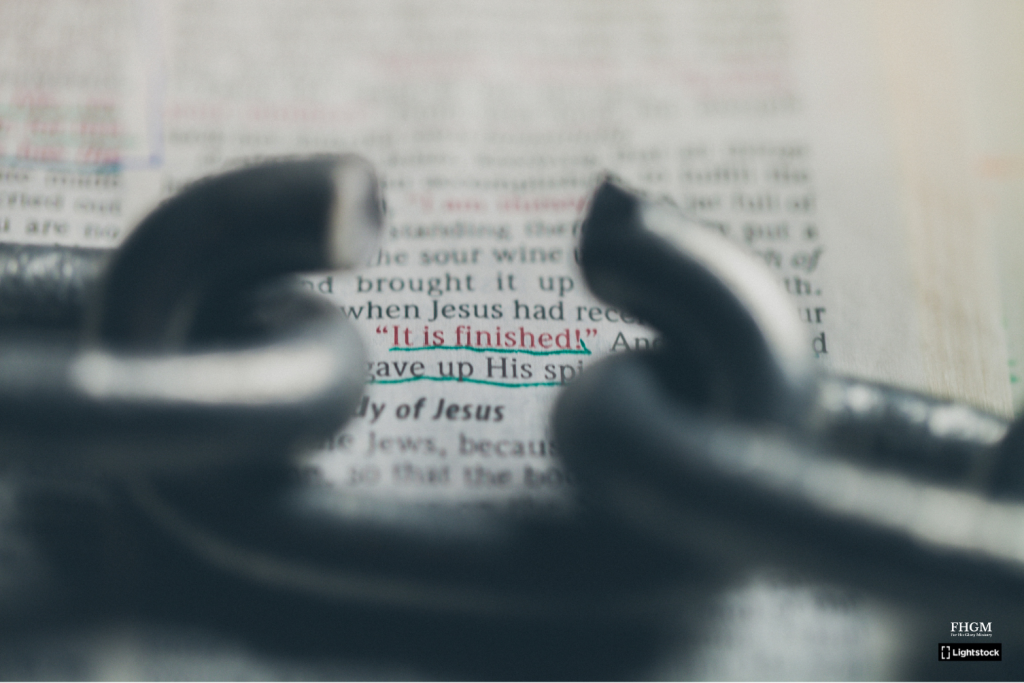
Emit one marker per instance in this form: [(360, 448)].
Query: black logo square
[(953, 652)]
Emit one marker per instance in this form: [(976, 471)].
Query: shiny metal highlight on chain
[(726, 444), (183, 349)]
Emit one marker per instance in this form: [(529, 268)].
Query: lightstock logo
[(990, 652)]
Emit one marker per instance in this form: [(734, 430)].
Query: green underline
[(510, 385), (584, 352)]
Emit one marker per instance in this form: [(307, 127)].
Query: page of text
[(489, 123)]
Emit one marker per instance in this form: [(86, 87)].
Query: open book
[(868, 154)]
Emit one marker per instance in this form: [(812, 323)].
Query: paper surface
[(489, 124), (794, 126), (989, 45)]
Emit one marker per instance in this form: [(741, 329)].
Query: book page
[(954, 259), (489, 124), (989, 46)]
